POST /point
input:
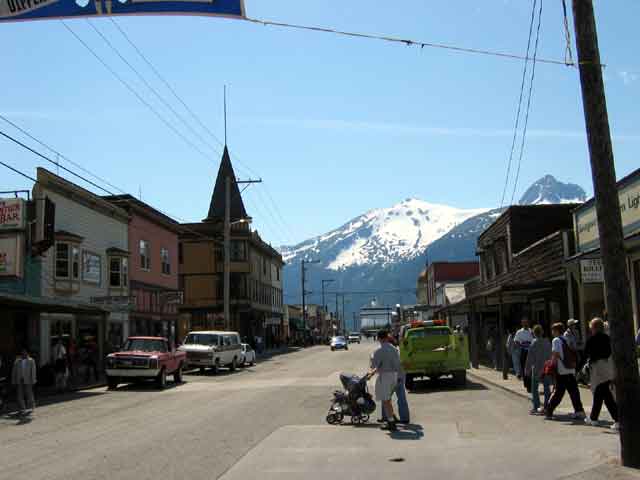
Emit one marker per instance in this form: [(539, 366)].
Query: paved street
[(268, 422)]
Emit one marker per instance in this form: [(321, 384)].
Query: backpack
[(569, 356)]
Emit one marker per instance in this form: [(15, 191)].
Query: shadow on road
[(443, 385)]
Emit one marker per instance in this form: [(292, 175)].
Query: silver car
[(339, 343)]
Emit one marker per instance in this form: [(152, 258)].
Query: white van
[(212, 349)]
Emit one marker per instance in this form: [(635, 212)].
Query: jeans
[(403, 405), (602, 394), (565, 383), (516, 360), (25, 390), (535, 392)]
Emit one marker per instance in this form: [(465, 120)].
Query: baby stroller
[(355, 401)]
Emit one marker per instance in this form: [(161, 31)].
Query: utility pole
[(617, 290), (227, 250), (324, 282), (304, 291)]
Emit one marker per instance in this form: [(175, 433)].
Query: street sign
[(591, 270), (13, 212), (19, 10)]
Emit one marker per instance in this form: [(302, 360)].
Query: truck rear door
[(425, 347)]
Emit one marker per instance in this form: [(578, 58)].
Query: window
[(278, 274), (62, 260), (118, 272), (166, 264), (180, 254), (67, 261), (238, 251), (145, 255), (264, 267)]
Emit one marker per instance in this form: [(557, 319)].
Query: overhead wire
[(526, 117), (15, 170), (519, 108)]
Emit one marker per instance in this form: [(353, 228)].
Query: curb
[(481, 379)]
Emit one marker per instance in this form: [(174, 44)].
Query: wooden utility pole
[(617, 289)]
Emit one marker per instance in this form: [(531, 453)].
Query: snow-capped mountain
[(548, 190), (382, 237), (385, 249)]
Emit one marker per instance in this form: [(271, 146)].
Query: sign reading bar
[(591, 270), (16, 10), (586, 220), (13, 213)]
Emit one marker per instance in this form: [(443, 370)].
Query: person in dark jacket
[(598, 354), (539, 353)]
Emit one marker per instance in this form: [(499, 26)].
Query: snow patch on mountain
[(382, 236), (548, 191)]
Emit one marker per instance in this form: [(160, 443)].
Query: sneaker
[(577, 416), (534, 411), (592, 423), (615, 427), (541, 410), (390, 426)]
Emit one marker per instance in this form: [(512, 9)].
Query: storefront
[(585, 282)]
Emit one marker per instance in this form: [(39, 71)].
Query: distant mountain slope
[(385, 249)]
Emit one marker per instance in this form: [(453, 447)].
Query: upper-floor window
[(278, 274), (67, 261), (238, 251), (118, 272), (145, 255), (166, 263), (264, 266)]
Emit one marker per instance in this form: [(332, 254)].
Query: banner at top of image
[(19, 10)]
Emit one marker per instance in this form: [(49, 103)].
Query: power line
[(53, 150), (149, 86), (15, 170), (134, 92), (26, 147), (408, 42), (517, 121), (526, 118)]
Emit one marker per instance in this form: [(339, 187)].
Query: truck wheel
[(460, 378), (112, 383), (177, 375), (409, 382), (161, 380), (232, 367)]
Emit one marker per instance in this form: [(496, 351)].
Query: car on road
[(248, 354), (212, 349), (431, 349), (354, 337), (145, 358), (339, 343)]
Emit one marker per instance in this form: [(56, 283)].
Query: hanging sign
[(16, 10), (13, 213), (592, 271)]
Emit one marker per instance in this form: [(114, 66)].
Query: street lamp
[(325, 282)]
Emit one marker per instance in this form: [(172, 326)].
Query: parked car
[(248, 354), (145, 358), (212, 349), (354, 337), (339, 343)]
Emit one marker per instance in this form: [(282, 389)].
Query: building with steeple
[(256, 300)]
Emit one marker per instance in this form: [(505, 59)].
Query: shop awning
[(48, 305)]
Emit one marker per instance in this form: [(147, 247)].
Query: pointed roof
[(217, 205)]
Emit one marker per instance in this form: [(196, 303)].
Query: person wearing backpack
[(564, 358)]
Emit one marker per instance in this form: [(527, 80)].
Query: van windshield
[(208, 339), (428, 332)]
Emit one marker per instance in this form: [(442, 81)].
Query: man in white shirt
[(522, 340), (566, 374)]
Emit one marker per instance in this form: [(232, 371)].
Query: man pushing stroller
[(385, 362)]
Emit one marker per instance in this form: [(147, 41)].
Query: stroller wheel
[(364, 418), (333, 418)]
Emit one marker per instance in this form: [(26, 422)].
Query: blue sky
[(335, 126)]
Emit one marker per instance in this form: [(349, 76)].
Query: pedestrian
[(564, 360), (598, 354), (385, 362), (514, 353), (638, 338), (539, 353), (59, 357), (491, 350), (522, 341), (400, 391), (24, 378), (91, 360)]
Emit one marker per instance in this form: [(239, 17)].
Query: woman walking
[(539, 353), (598, 354)]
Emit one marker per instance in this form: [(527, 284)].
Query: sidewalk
[(515, 387)]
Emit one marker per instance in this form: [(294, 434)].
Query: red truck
[(145, 358)]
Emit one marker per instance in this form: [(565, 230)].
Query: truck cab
[(432, 350)]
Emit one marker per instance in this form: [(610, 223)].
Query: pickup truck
[(145, 358), (432, 350)]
